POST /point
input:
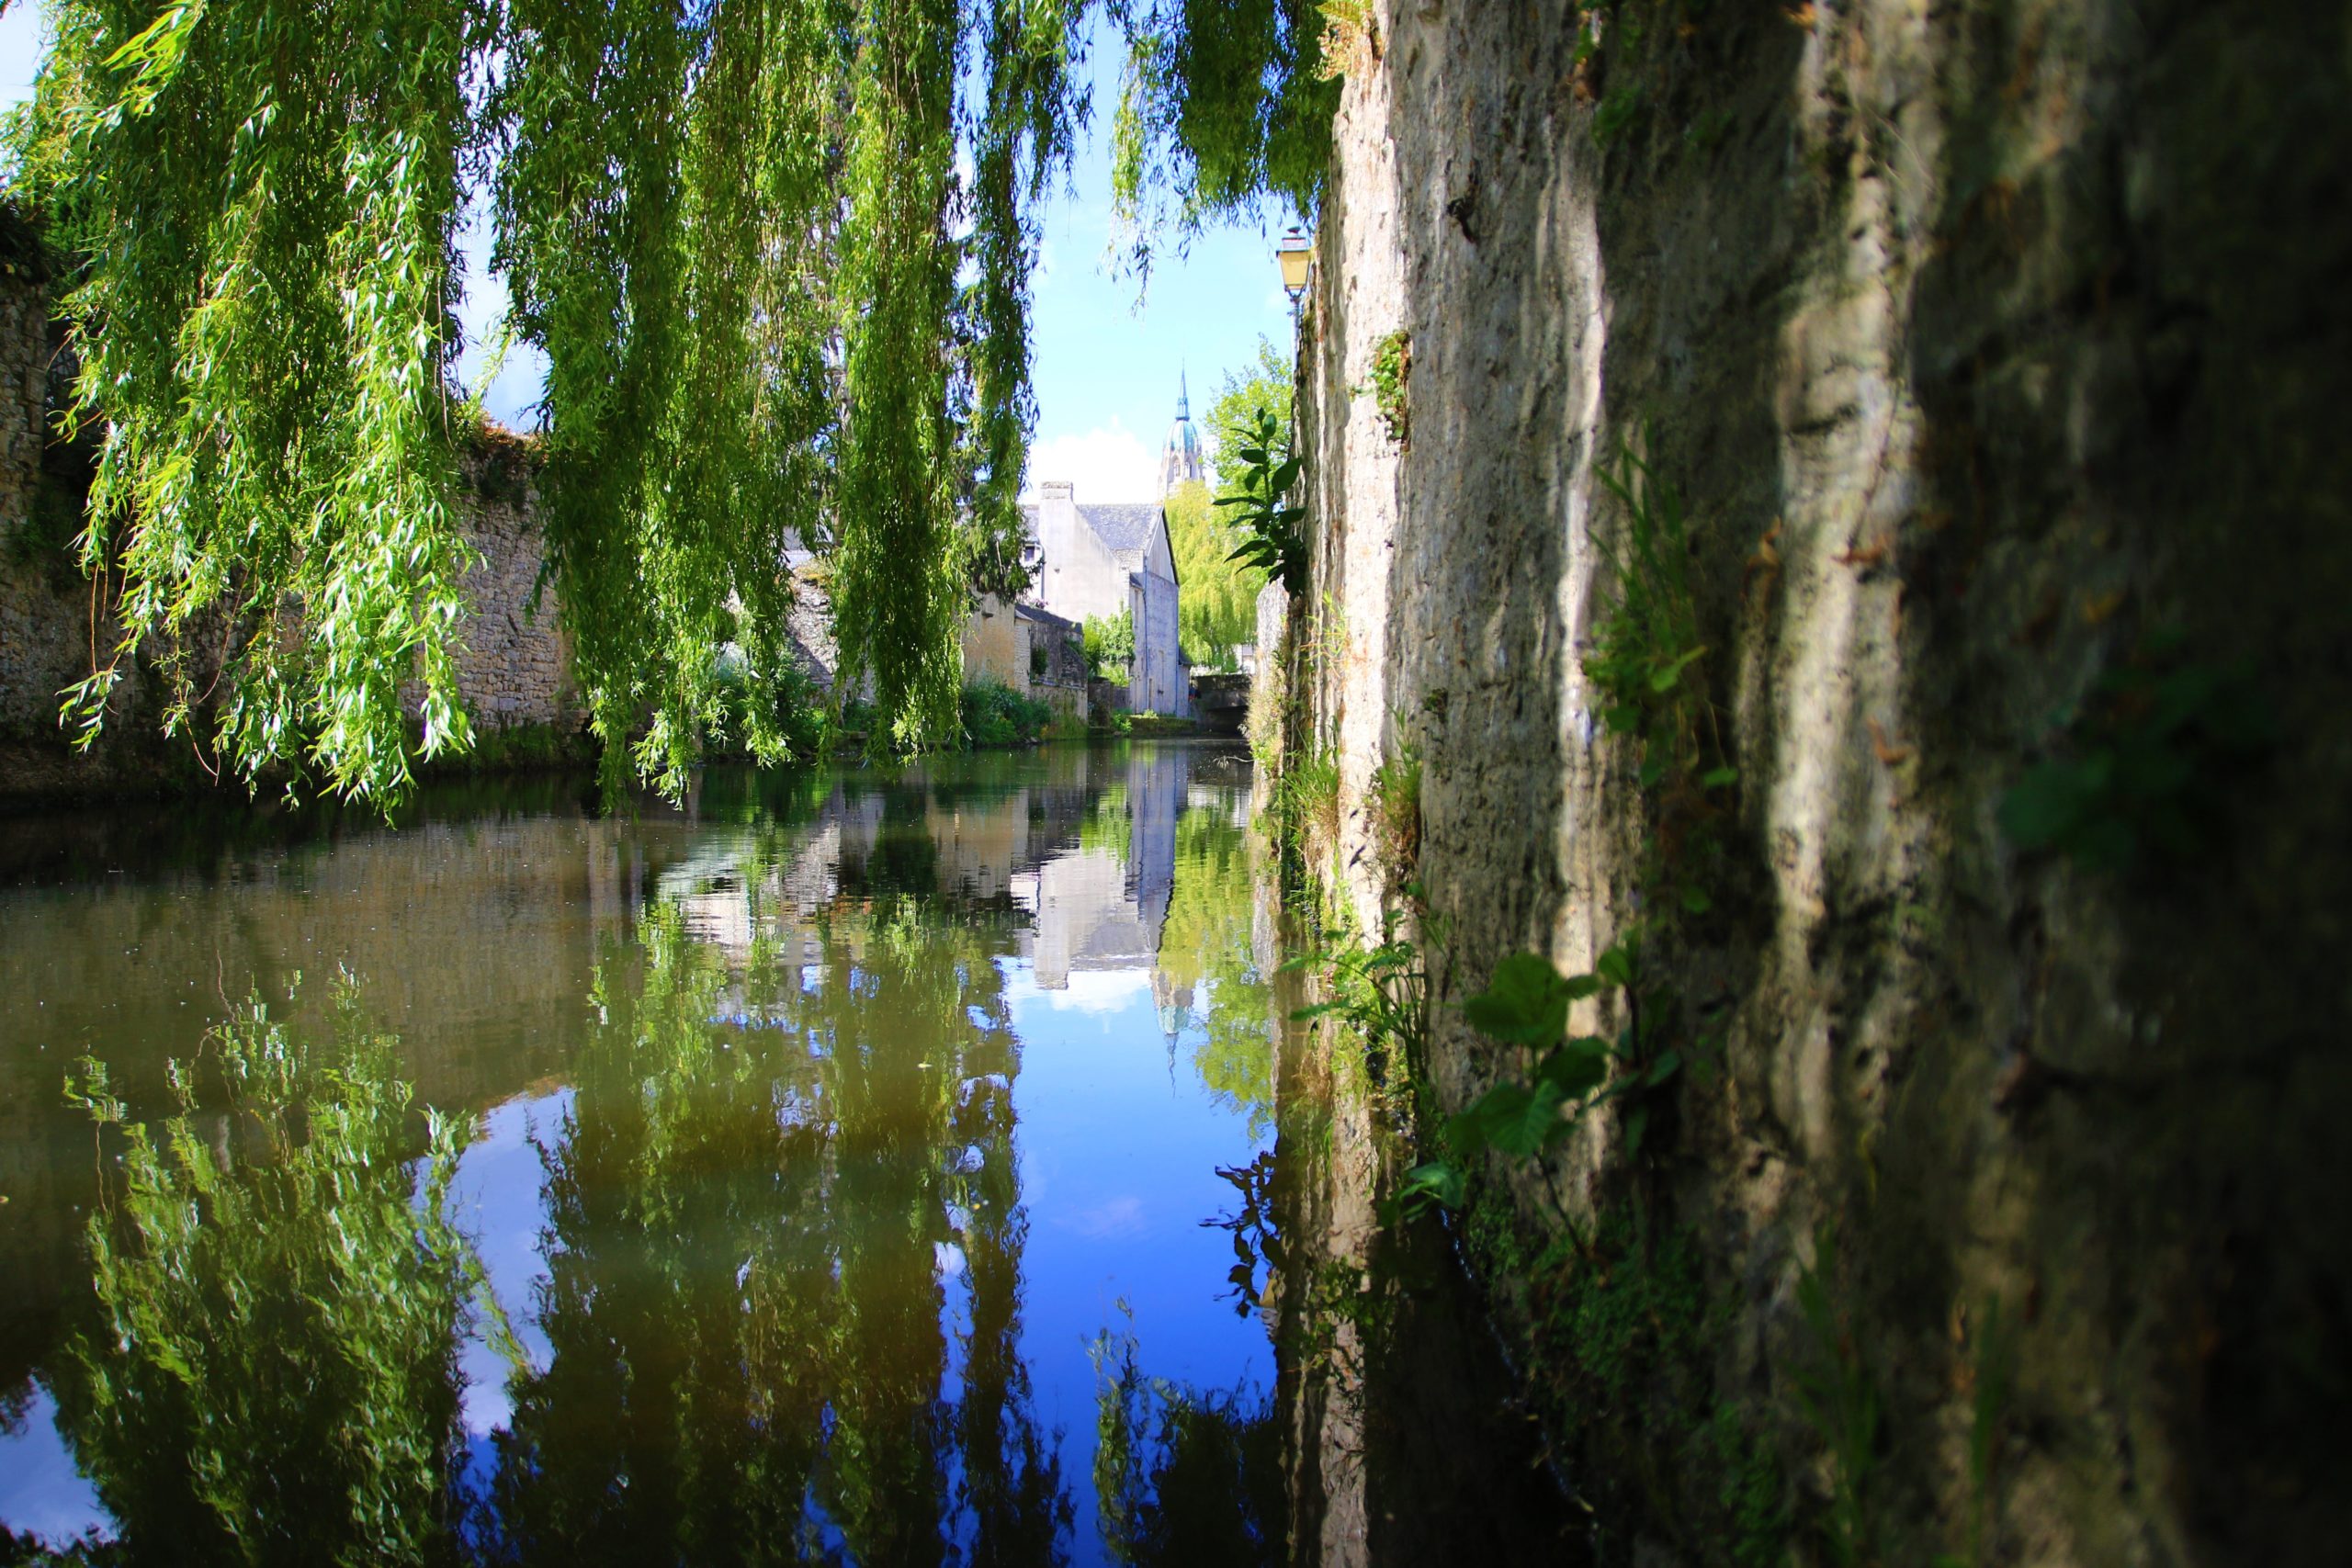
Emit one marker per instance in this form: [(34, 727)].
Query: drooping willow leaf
[(774, 310)]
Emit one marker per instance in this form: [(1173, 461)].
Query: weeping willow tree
[(776, 255)]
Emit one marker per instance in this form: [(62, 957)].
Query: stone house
[(1032, 650), (1100, 559)]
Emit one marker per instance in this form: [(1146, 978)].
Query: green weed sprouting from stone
[(1272, 538), (1992, 1372), (1382, 991), (1392, 368), (1840, 1402), (2144, 771), (1559, 1078), (1394, 805), (1614, 115), (1645, 668)]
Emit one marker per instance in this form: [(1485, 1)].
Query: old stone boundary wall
[(1999, 351), (513, 668)]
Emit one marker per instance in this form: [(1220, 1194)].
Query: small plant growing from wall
[(1392, 367), (1271, 539), (1394, 804), (2144, 771), (1351, 39)]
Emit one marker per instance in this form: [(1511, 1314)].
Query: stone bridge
[(1221, 703)]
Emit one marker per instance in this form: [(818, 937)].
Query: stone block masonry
[(1997, 350), (514, 670)]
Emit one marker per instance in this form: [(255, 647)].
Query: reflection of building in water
[(1173, 1002), (1097, 907), (1090, 903)]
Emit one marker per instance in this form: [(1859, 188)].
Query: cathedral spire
[(1181, 460)]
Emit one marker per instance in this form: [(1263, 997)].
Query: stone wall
[(513, 669), (1997, 351)]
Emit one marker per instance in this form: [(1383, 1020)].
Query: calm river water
[(857, 1166)]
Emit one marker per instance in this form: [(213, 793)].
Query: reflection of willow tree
[(272, 1377), (1206, 939), (1181, 1477), (1108, 824), (744, 1301)]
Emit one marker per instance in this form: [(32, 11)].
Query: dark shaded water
[(869, 1166)]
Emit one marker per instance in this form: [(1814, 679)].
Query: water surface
[(861, 1165)]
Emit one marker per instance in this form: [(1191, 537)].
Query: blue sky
[(1106, 364)]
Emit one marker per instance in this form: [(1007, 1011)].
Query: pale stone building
[(1100, 559)]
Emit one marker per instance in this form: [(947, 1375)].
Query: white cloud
[(1107, 463)]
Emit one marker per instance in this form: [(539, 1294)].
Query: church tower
[(1180, 460)]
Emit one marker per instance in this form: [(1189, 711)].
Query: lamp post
[(1295, 253)]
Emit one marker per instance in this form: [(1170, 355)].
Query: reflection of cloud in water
[(1115, 1221), (495, 1200), (1096, 991)]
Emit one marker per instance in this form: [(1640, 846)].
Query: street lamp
[(1295, 252)]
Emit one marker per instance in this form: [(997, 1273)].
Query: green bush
[(798, 710), (995, 714), (1110, 644)]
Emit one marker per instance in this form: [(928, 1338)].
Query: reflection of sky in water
[(41, 1492), (1119, 1156), (1116, 1140)]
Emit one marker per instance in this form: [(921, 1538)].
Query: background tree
[(1263, 386), (1218, 606), (1110, 644)]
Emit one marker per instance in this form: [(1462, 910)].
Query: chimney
[(1054, 489)]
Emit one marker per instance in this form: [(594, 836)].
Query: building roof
[(1123, 526), (1037, 612)]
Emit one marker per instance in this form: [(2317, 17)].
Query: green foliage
[(1183, 1476), (2146, 770), (1381, 992), (1392, 367), (1303, 812), (1271, 539), (1750, 1490), (1394, 807), (1616, 114), (279, 1307), (1647, 667), (738, 234), (793, 711), (1260, 387), (995, 714), (1110, 644), (1643, 662), (262, 324), (1525, 1005), (1840, 1402), (1224, 103), (1219, 606), (1625, 1336)]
